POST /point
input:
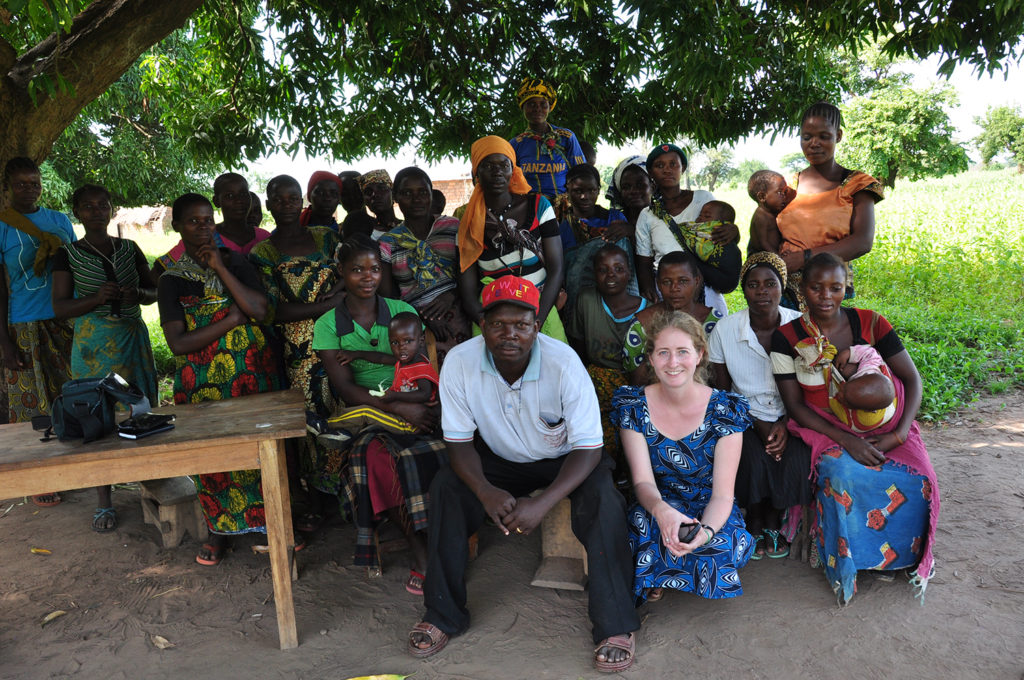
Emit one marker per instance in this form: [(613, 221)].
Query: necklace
[(113, 251)]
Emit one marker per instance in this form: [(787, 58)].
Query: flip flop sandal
[(775, 552), (99, 523), (624, 642), (438, 640), (216, 555), (54, 499), (414, 584), (263, 549), (758, 547)]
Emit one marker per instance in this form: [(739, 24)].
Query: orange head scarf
[(471, 228)]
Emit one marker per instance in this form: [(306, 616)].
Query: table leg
[(277, 505)]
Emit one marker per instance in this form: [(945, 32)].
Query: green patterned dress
[(104, 342), (301, 279), (239, 363)]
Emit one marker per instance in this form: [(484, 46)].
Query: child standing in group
[(772, 194), (587, 228)]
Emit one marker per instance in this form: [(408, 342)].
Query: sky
[(976, 96)]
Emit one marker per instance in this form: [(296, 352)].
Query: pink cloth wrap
[(911, 455), (867, 358)]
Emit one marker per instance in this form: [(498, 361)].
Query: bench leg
[(563, 559), (277, 504)]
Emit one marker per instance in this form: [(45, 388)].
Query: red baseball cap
[(513, 290)]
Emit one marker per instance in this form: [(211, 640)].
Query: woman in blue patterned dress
[(682, 440)]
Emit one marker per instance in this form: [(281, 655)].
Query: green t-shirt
[(354, 337)]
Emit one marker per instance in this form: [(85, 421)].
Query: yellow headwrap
[(535, 87), (471, 227)]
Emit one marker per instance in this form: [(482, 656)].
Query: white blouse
[(734, 344)]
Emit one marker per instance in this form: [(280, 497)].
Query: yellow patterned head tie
[(535, 87), (374, 177), (767, 259)]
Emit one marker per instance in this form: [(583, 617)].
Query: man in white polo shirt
[(519, 413)]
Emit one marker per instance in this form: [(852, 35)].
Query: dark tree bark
[(104, 40)]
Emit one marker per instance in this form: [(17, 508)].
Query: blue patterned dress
[(683, 471)]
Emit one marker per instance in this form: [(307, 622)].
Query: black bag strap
[(126, 393), (92, 426)]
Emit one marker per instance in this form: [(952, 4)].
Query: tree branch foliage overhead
[(247, 78)]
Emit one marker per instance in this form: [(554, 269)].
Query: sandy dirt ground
[(120, 590)]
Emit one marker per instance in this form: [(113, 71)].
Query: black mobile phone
[(144, 425), (688, 532)]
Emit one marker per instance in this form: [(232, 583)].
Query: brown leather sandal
[(438, 640), (625, 642)]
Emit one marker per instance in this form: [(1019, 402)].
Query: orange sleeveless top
[(812, 220)]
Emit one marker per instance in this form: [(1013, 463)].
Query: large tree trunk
[(104, 40)]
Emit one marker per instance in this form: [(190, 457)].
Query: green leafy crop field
[(947, 269)]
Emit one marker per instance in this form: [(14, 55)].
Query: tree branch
[(142, 130), (105, 39)]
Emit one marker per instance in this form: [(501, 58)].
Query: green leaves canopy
[(898, 131), (355, 78), (247, 78)]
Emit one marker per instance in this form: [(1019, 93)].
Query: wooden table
[(244, 433)]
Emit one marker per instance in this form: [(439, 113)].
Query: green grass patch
[(947, 270)]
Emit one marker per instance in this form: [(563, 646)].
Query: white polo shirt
[(733, 343), (548, 412)]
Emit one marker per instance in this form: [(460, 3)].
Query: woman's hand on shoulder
[(334, 293)]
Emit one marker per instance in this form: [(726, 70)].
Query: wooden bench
[(563, 562), (171, 505)]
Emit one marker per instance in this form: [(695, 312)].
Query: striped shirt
[(425, 269), (89, 270), (500, 259)]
